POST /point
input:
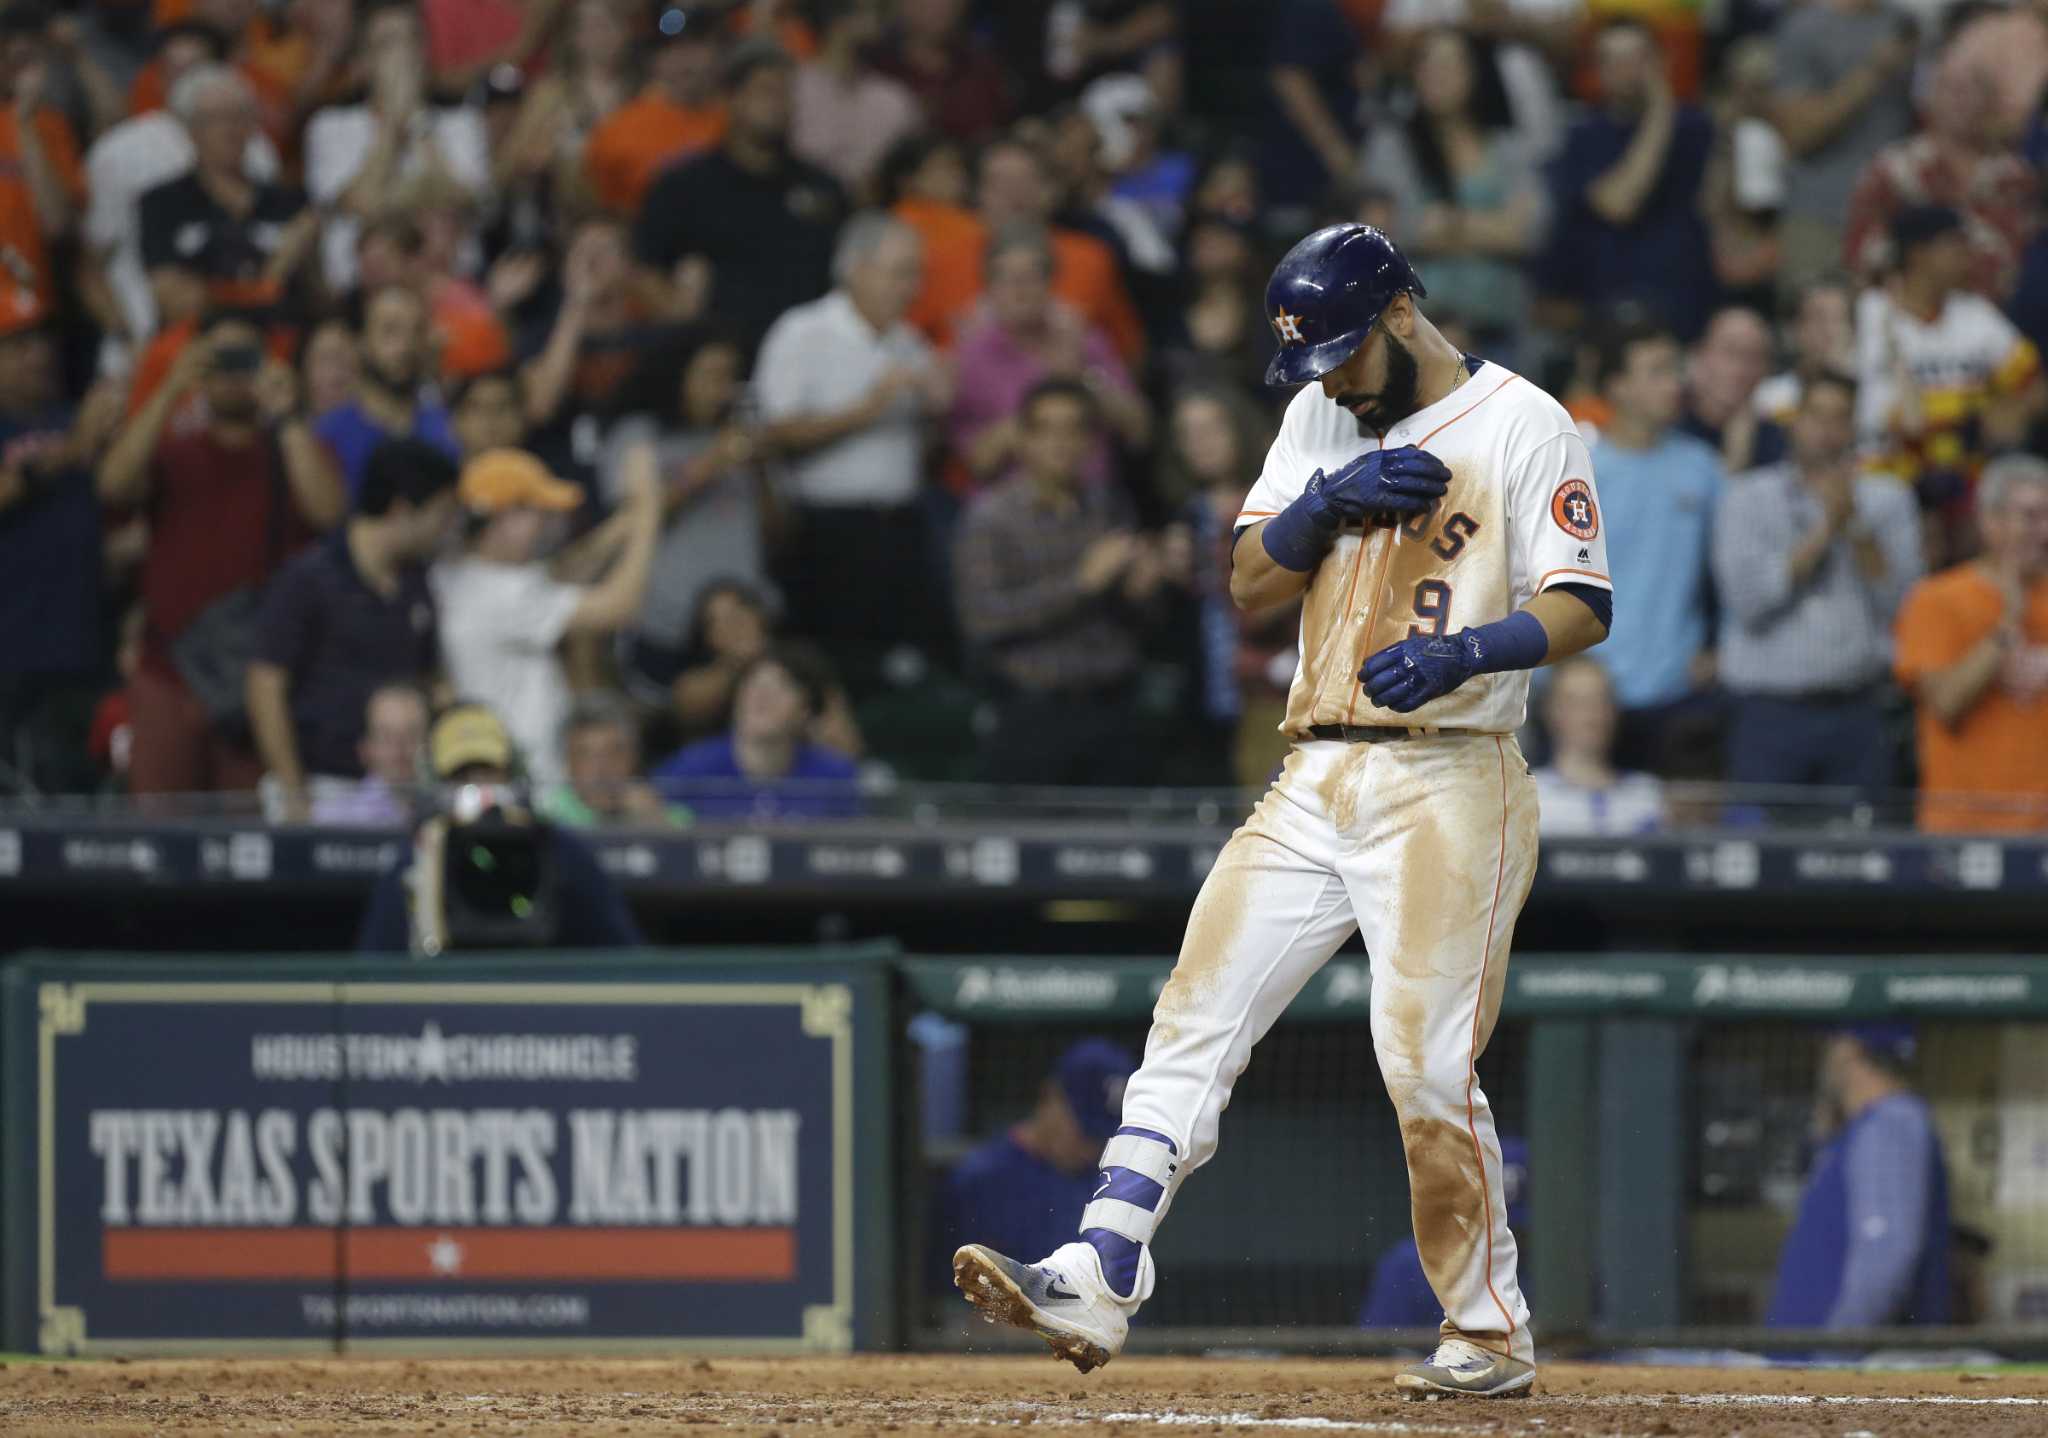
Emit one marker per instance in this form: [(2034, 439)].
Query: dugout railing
[(1665, 1103)]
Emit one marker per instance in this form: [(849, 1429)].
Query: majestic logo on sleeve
[(1289, 327), (1573, 509)]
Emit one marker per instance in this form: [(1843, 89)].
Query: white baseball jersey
[(1521, 515)]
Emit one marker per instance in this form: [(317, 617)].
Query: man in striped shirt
[(1810, 562)]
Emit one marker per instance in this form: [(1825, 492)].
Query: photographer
[(228, 504), (485, 873)]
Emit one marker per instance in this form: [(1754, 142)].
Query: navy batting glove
[(1406, 480), (1405, 676)]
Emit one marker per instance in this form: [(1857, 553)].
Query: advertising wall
[(406, 1158)]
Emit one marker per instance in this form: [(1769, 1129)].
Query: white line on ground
[(1794, 1400), (1252, 1420)]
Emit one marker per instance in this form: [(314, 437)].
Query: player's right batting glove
[(1399, 481)]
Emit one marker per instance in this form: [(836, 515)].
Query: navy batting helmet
[(1325, 296)]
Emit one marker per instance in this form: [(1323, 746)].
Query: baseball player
[(1437, 516)]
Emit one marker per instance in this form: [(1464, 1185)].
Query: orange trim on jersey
[(1372, 617), (1472, 1052), (1257, 513), (1586, 573), (1463, 412)]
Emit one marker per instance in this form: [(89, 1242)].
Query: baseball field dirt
[(912, 1396)]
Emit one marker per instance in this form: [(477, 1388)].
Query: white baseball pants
[(1428, 845)]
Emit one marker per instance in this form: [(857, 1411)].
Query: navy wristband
[(1516, 642), (1293, 538)]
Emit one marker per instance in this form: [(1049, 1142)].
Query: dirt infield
[(917, 1396)]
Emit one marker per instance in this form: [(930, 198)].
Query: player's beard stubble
[(1378, 413)]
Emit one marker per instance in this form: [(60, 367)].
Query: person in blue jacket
[(1870, 1244), (767, 766), (1400, 1295), (1023, 1191)]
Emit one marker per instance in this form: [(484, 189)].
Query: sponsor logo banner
[(445, 1161)]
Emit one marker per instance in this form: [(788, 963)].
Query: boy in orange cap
[(503, 612)]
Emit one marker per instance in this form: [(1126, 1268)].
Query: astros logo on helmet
[(1325, 296)]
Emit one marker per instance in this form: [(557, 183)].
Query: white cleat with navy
[(1464, 1368), (1063, 1298)]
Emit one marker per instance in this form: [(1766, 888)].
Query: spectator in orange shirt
[(924, 183), (681, 112), (1014, 188), (1973, 650), (42, 183)]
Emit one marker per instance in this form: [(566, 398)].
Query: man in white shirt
[(135, 157), (503, 612), (848, 391), (358, 155)]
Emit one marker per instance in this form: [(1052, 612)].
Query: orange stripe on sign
[(758, 1255), (229, 1253)]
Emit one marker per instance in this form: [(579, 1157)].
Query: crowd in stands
[(792, 391)]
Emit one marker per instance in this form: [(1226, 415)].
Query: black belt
[(1380, 733)]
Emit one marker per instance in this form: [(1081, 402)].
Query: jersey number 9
[(1433, 607)]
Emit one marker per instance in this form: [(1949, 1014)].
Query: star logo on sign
[(1289, 327), (432, 1053), (445, 1254)]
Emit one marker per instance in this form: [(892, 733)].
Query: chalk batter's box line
[(827, 1012)]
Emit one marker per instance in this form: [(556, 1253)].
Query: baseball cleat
[(1459, 1367), (1062, 1298)]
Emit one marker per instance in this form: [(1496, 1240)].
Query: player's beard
[(1396, 399)]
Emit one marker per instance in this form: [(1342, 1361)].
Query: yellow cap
[(502, 479), (468, 734)]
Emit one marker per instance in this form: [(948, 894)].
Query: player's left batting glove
[(1405, 676), (1400, 481)]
